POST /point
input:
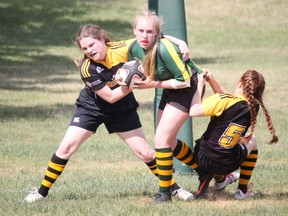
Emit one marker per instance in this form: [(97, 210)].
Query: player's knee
[(253, 142), (66, 151), (148, 156), (161, 140)]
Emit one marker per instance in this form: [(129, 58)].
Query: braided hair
[(253, 84)]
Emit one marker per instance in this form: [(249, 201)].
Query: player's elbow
[(175, 84), (196, 111), (112, 100)]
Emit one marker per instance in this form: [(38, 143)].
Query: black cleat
[(203, 186), (162, 197)]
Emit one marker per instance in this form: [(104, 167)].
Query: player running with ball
[(102, 101)]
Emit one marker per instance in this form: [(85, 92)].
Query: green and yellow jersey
[(170, 63)]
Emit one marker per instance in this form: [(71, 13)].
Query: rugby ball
[(130, 72)]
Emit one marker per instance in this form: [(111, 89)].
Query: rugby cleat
[(229, 179)]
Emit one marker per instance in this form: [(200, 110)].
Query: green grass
[(39, 85)]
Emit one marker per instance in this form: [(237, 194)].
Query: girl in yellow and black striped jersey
[(101, 101), (225, 146)]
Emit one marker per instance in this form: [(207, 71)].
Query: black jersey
[(96, 75), (230, 120)]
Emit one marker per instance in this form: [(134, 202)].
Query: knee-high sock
[(153, 167), (246, 170), (54, 170), (184, 153), (164, 160)]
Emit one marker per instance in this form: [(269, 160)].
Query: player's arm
[(112, 96), (168, 84), (212, 106), (214, 84), (181, 44), (196, 109), (95, 83), (174, 62), (100, 88)]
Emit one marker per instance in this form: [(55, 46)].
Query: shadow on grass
[(28, 28), (212, 196), (35, 112), (48, 23), (224, 195)]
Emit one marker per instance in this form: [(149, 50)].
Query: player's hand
[(202, 77), (208, 75), (121, 83), (185, 51), (143, 84), (119, 79)]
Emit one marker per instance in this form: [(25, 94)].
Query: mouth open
[(93, 53)]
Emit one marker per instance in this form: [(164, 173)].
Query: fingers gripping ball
[(132, 71)]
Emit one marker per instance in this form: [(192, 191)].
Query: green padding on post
[(173, 14)]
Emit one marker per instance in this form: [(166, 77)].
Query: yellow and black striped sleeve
[(216, 104)]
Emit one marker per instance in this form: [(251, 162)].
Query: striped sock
[(164, 160), (183, 153), (246, 170), (54, 170), (153, 167)]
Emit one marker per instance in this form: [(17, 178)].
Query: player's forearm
[(216, 87), (175, 40), (119, 93), (115, 95), (196, 109), (181, 44), (171, 84)]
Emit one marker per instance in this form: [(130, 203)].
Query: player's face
[(145, 32), (238, 89), (94, 49)]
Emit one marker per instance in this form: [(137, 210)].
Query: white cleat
[(183, 194), (33, 196), (229, 179), (240, 195)]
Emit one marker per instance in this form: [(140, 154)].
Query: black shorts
[(114, 122), (212, 166), (179, 98)]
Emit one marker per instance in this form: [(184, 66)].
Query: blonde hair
[(253, 84), (150, 57)]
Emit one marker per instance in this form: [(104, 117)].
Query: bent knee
[(148, 156), (253, 142), (66, 151)]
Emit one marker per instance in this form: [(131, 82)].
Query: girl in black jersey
[(225, 146), (101, 101)]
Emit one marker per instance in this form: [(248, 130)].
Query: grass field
[(39, 84)]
